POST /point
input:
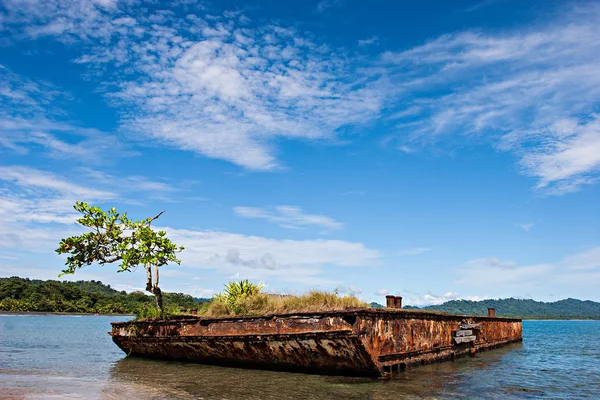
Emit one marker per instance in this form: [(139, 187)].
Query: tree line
[(522, 308), (24, 294)]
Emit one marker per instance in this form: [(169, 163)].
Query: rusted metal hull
[(331, 353), (356, 342)]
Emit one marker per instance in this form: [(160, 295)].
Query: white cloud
[(36, 212), (65, 19), (482, 4), (568, 154), (134, 184), (217, 87), (325, 5), (382, 292), (228, 99), (586, 260), (255, 257), (28, 120), (36, 207), (199, 292), (354, 193), (414, 251), (349, 290), (289, 217), (30, 178), (369, 41), (60, 140), (34, 95), (525, 226), (404, 113), (492, 272), (532, 91), (33, 205), (213, 86), (490, 275), (428, 299)]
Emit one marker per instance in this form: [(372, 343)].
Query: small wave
[(14, 315)]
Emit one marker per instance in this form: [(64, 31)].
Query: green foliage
[(116, 238), (259, 303), (19, 294), (235, 294), (149, 312), (522, 308)]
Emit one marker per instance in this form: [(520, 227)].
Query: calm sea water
[(73, 357)]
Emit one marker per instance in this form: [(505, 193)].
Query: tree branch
[(155, 217), (103, 260)]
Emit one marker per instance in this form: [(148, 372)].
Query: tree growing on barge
[(115, 238)]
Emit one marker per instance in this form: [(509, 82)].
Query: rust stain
[(354, 342)]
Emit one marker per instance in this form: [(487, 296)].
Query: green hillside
[(522, 308), (21, 294)]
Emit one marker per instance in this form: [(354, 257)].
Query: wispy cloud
[(255, 257), (65, 19), (414, 251), (59, 140), (226, 89), (349, 290), (36, 206), (430, 298), (213, 86), (354, 193), (34, 96), (525, 226), (131, 184), (33, 179), (586, 260), (369, 41), (532, 91), (33, 205), (325, 5), (231, 93), (289, 217), (493, 272), (481, 272), (33, 117), (482, 4), (36, 212)]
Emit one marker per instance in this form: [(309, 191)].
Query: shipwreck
[(359, 342)]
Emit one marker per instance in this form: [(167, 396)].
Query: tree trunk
[(148, 277), (153, 287), (159, 302), (157, 292)]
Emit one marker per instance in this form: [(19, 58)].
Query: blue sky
[(437, 150)]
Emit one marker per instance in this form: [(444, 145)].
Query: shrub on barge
[(247, 299)]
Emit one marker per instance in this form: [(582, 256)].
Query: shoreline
[(66, 314)]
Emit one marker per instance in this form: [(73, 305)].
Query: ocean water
[(46, 357)]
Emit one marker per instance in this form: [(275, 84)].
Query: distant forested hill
[(562, 309), (21, 294)]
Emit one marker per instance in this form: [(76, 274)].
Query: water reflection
[(62, 357), (464, 378)]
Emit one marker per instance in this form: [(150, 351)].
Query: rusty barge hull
[(358, 342)]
